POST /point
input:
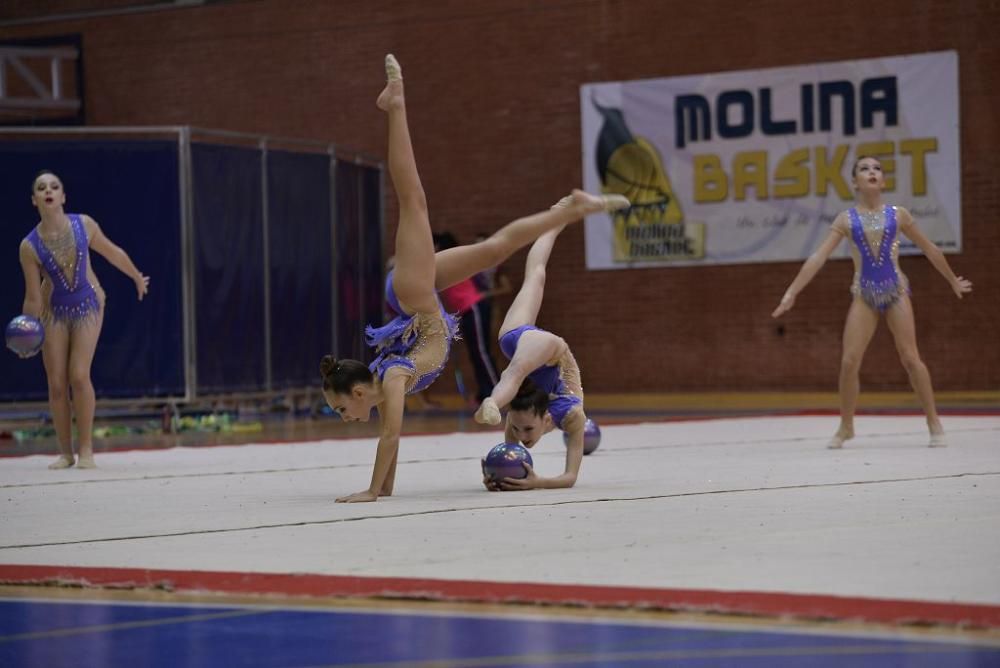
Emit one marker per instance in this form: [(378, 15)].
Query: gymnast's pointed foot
[(614, 203), (393, 70), (488, 413), (586, 203), (391, 96)]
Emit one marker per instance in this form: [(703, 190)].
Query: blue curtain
[(358, 256), (349, 263), (371, 217), (299, 233), (228, 268)]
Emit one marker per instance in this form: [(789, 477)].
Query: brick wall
[(493, 89)]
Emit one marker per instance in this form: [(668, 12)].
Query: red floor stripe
[(689, 600)]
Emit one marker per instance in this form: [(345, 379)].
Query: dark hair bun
[(327, 365), (530, 397), (527, 388)]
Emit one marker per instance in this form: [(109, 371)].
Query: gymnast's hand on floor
[(366, 496)]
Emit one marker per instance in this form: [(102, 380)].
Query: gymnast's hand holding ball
[(529, 481), (507, 467)]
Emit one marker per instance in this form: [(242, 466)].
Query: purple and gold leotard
[(418, 342), (875, 249), (560, 380), (73, 299)]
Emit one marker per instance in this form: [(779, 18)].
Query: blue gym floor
[(102, 634)]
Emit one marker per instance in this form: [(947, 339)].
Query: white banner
[(753, 166)]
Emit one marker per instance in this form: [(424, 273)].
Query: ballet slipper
[(86, 462), (614, 203), (488, 412), (938, 440), (588, 204), (391, 96), (393, 71), (838, 440), (63, 462)]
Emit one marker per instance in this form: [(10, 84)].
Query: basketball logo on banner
[(653, 228)]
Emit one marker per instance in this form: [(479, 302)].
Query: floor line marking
[(437, 460), (442, 511)]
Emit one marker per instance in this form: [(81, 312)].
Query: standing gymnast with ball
[(412, 349), (541, 383), (61, 290)]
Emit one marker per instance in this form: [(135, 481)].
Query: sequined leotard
[(73, 294), (418, 342), (875, 249), (560, 379)]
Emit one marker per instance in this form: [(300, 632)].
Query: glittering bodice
[(875, 249), (874, 229), (64, 252), (71, 290)]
